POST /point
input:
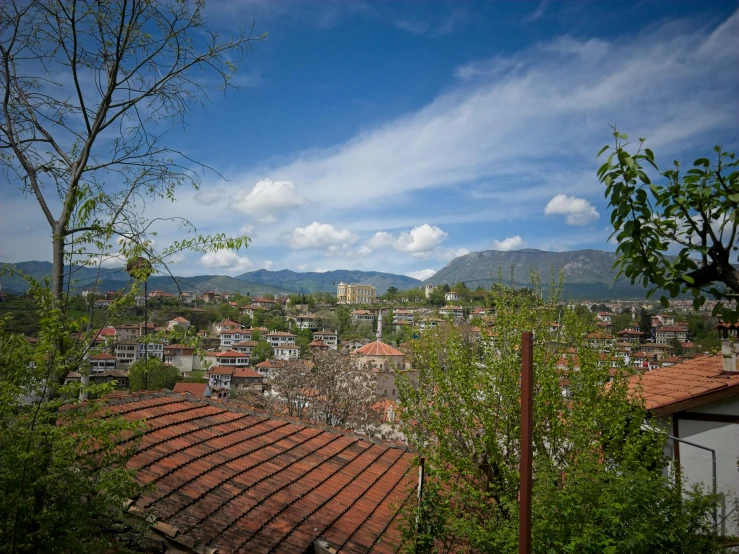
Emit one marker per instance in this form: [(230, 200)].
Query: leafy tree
[(152, 374), (676, 345), (62, 467), (598, 485), (437, 298), (696, 212), (391, 292), (261, 352), (621, 321), (90, 91), (645, 321)]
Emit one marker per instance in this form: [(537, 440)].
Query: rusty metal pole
[(527, 420)]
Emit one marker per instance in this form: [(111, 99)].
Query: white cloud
[(421, 274), (420, 241), (210, 196), (510, 243), (228, 260), (267, 199), (578, 210), (321, 236)]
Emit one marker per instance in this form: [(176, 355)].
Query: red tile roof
[(221, 370), (269, 364), (245, 372), (230, 354), (232, 480), (667, 390), (377, 348), (197, 389), (103, 356)]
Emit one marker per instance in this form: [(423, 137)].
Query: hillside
[(587, 273), (326, 282), (114, 278)]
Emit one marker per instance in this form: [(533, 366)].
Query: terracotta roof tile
[(664, 388), (242, 482), (377, 348)]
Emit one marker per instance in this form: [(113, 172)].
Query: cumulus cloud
[(421, 274), (321, 236), (510, 243), (267, 199), (228, 260), (418, 242), (578, 210), (210, 196), (421, 239)]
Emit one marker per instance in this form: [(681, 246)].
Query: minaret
[(379, 327)]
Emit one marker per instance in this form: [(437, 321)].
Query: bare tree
[(89, 91), (346, 394), (330, 389)]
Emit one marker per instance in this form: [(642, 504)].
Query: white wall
[(696, 463)]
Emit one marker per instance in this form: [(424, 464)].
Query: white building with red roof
[(181, 321)]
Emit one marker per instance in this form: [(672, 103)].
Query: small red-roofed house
[(199, 390), (697, 400), (102, 362)]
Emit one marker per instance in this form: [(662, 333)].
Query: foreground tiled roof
[(232, 480), (685, 385), (377, 348)]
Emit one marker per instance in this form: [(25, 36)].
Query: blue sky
[(394, 136)]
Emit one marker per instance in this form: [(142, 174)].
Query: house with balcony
[(605, 316), (232, 358), (455, 312), (229, 337), (306, 321), (363, 316), (403, 315), (102, 362), (244, 347), (667, 333)]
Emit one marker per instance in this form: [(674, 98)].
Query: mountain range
[(587, 273), (327, 281), (254, 283)]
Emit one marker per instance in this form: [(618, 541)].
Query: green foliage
[(696, 213), (437, 297), (621, 321), (599, 484), (62, 467), (261, 352), (152, 374)]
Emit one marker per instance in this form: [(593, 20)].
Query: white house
[(286, 352), (306, 321), (102, 362), (363, 316), (229, 337), (457, 312), (279, 338), (405, 316), (329, 338), (181, 321), (232, 358), (150, 350), (451, 296), (696, 403)]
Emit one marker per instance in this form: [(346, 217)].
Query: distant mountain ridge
[(113, 278), (587, 273), (307, 282)]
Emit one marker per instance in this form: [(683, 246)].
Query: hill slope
[(326, 282), (587, 273)]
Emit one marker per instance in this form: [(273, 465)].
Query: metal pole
[(527, 417), (713, 463)]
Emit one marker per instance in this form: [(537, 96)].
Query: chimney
[(379, 326)]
